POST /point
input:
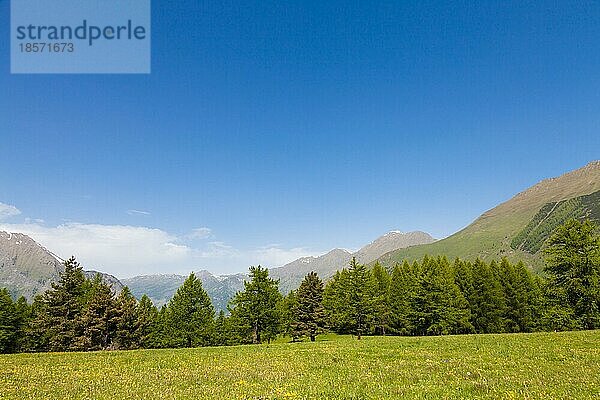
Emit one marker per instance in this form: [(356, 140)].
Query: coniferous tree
[(147, 320), (360, 299), (191, 315), (125, 321), (96, 322), (309, 315), (56, 326), (573, 268), (9, 323), (402, 292), (382, 310), (335, 300), (255, 309), (487, 299), (289, 322)]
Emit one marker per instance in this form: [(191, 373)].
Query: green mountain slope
[(517, 228)]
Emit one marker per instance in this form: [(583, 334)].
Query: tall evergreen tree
[(147, 320), (59, 313), (360, 305), (9, 323), (573, 268), (335, 301), (96, 321), (487, 299), (381, 307), (125, 321), (402, 291), (309, 314), (191, 315), (289, 321), (255, 308)]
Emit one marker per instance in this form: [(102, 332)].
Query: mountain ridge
[(490, 235)]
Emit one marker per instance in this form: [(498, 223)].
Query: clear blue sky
[(305, 126)]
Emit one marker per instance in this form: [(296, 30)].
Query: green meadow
[(505, 366)]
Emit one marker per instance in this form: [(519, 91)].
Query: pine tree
[(289, 320), (487, 300), (308, 312), (191, 315), (335, 301), (402, 291), (573, 268), (97, 319), (255, 309), (56, 324), (9, 323), (382, 309), (360, 305), (125, 321), (147, 320)]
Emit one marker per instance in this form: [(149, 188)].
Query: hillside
[(499, 231), (27, 268), (291, 275)]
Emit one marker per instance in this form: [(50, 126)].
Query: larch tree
[(191, 314), (255, 309)]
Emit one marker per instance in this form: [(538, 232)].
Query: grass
[(522, 366)]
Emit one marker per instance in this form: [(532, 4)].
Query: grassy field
[(519, 366)]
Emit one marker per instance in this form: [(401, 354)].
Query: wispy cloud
[(201, 233), (7, 211), (137, 212), (125, 251)]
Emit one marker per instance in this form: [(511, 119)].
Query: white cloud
[(126, 251), (201, 233), (7, 211), (117, 249), (137, 212)]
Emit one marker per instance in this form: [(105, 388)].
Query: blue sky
[(268, 130)]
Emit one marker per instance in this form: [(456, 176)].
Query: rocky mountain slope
[(27, 268), (290, 275), (499, 231), (160, 288)]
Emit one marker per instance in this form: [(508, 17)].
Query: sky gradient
[(269, 131)]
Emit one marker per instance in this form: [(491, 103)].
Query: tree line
[(432, 296)]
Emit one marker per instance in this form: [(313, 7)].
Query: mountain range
[(516, 229), (160, 288)]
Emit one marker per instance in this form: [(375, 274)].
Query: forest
[(433, 296)]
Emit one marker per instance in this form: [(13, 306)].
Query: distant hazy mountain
[(27, 268), (160, 288), (291, 275), (518, 227)]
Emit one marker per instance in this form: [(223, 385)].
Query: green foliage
[(573, 268), (308, 315), (96, 322), (125, 321), (146, 322), (58, 321), (190, 315), (9, 323), (382, 312), (255, 310)]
